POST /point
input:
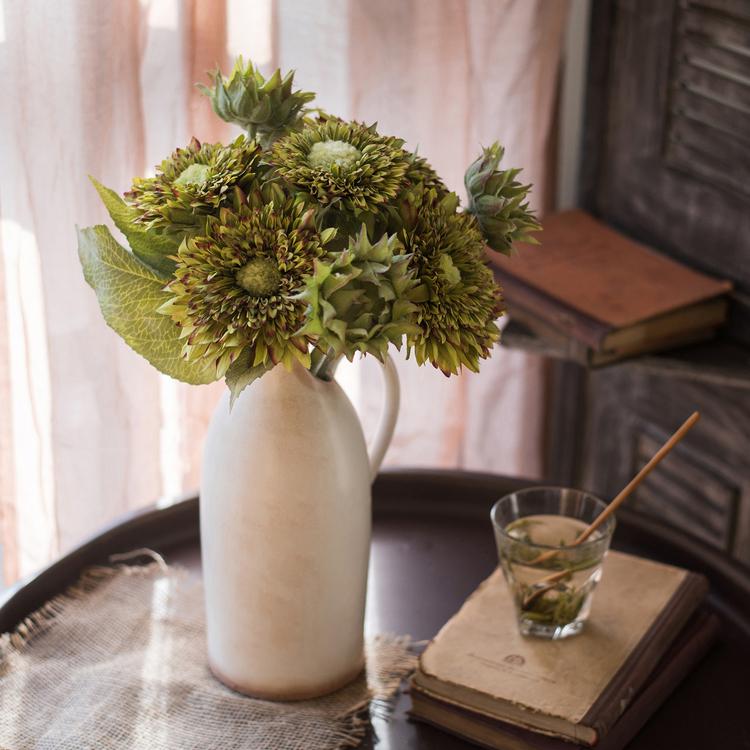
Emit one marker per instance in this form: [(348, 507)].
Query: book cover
[(575, 688), (690, 646), (593, 283)]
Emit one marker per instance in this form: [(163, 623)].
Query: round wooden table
[(432, 545)]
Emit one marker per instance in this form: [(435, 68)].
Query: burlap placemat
[(118, 661)]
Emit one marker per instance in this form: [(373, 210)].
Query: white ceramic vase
[(285, 512)]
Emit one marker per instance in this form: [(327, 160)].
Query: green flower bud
[(266, 108), (498, 201), (363, 298)]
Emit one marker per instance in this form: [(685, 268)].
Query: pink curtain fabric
[(88, 430), (104, 89)]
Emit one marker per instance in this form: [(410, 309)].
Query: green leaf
[(241, 373), (152, 248), (129, 293)]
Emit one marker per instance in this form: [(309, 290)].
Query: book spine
[(553, 343), (560, 316), (654, 694), (627, 683)]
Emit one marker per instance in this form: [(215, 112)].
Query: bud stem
[(323, 366)]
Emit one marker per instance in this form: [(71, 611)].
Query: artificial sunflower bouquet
[(308, 239)]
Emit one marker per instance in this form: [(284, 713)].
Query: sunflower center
[(259, 277), (195, 174), (324, 154)]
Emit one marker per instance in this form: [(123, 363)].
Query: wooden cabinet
[(666, 159), (703, 486)]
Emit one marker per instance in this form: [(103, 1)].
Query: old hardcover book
[(575, 688), (612, 296), (690, 646)]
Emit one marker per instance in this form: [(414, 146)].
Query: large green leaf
[(152, 248), (129, 293)]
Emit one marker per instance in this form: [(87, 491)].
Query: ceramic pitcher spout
[(285, 533)]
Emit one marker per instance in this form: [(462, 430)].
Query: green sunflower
[(235, 288), (193, 183), (457, 321), (342, 164)]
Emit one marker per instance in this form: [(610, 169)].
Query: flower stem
[(323, 365)]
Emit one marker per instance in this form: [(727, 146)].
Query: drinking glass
[(551, 579)]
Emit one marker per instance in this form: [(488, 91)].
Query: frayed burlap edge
[(383, 680), (41, 619)]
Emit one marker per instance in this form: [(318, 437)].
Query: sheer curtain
[(88, 430), (448, 76)]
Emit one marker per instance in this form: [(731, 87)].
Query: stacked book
[(480, 679), (595, 296)]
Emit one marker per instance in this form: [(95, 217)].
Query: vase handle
[(388, 417)]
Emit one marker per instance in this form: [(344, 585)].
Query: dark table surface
[(432, 545)]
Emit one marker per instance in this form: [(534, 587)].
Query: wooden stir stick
[(612, 507)]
